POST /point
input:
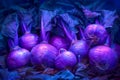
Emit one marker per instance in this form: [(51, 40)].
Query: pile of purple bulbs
[(64, 52)]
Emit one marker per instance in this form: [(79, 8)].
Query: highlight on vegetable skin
[(96, 34), (103, 58)]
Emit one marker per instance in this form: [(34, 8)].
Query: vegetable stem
[(42, 31), (108, 41), (24, 29), (81, 33), (69, 36)]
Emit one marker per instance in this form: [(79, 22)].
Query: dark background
[(106, 4)]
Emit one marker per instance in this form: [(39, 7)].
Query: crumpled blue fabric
[(64, 75), (8, 75)]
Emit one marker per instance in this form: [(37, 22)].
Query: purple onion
[(65, 60), (44, 54), (103, 58), (95, 34), (80, 47), (59, 42), (28, 41), (17, 58)]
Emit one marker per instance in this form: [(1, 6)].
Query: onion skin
[(95, 34), (28, 41), (18, 58), (80, 47), (59, 42), (44, 54), (65, 60), (103, 58)]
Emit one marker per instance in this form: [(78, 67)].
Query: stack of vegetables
[(52, 45)]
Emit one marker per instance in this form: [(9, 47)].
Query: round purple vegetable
[(28, 40), (44, 54), (59, 42), (65, 60), (80, 48), (103, 58), (17, 58), (96, 34)]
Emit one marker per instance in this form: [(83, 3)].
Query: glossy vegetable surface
[(65, 60), (96, 34), (59, 42), (17, 58), (28, 41), (103, 58), (80, 48), (44, 54)]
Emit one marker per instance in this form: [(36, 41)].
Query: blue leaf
[(10, 26), (2, 45), (109, 17), (46, 18), (28, 17), (71, 22)]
